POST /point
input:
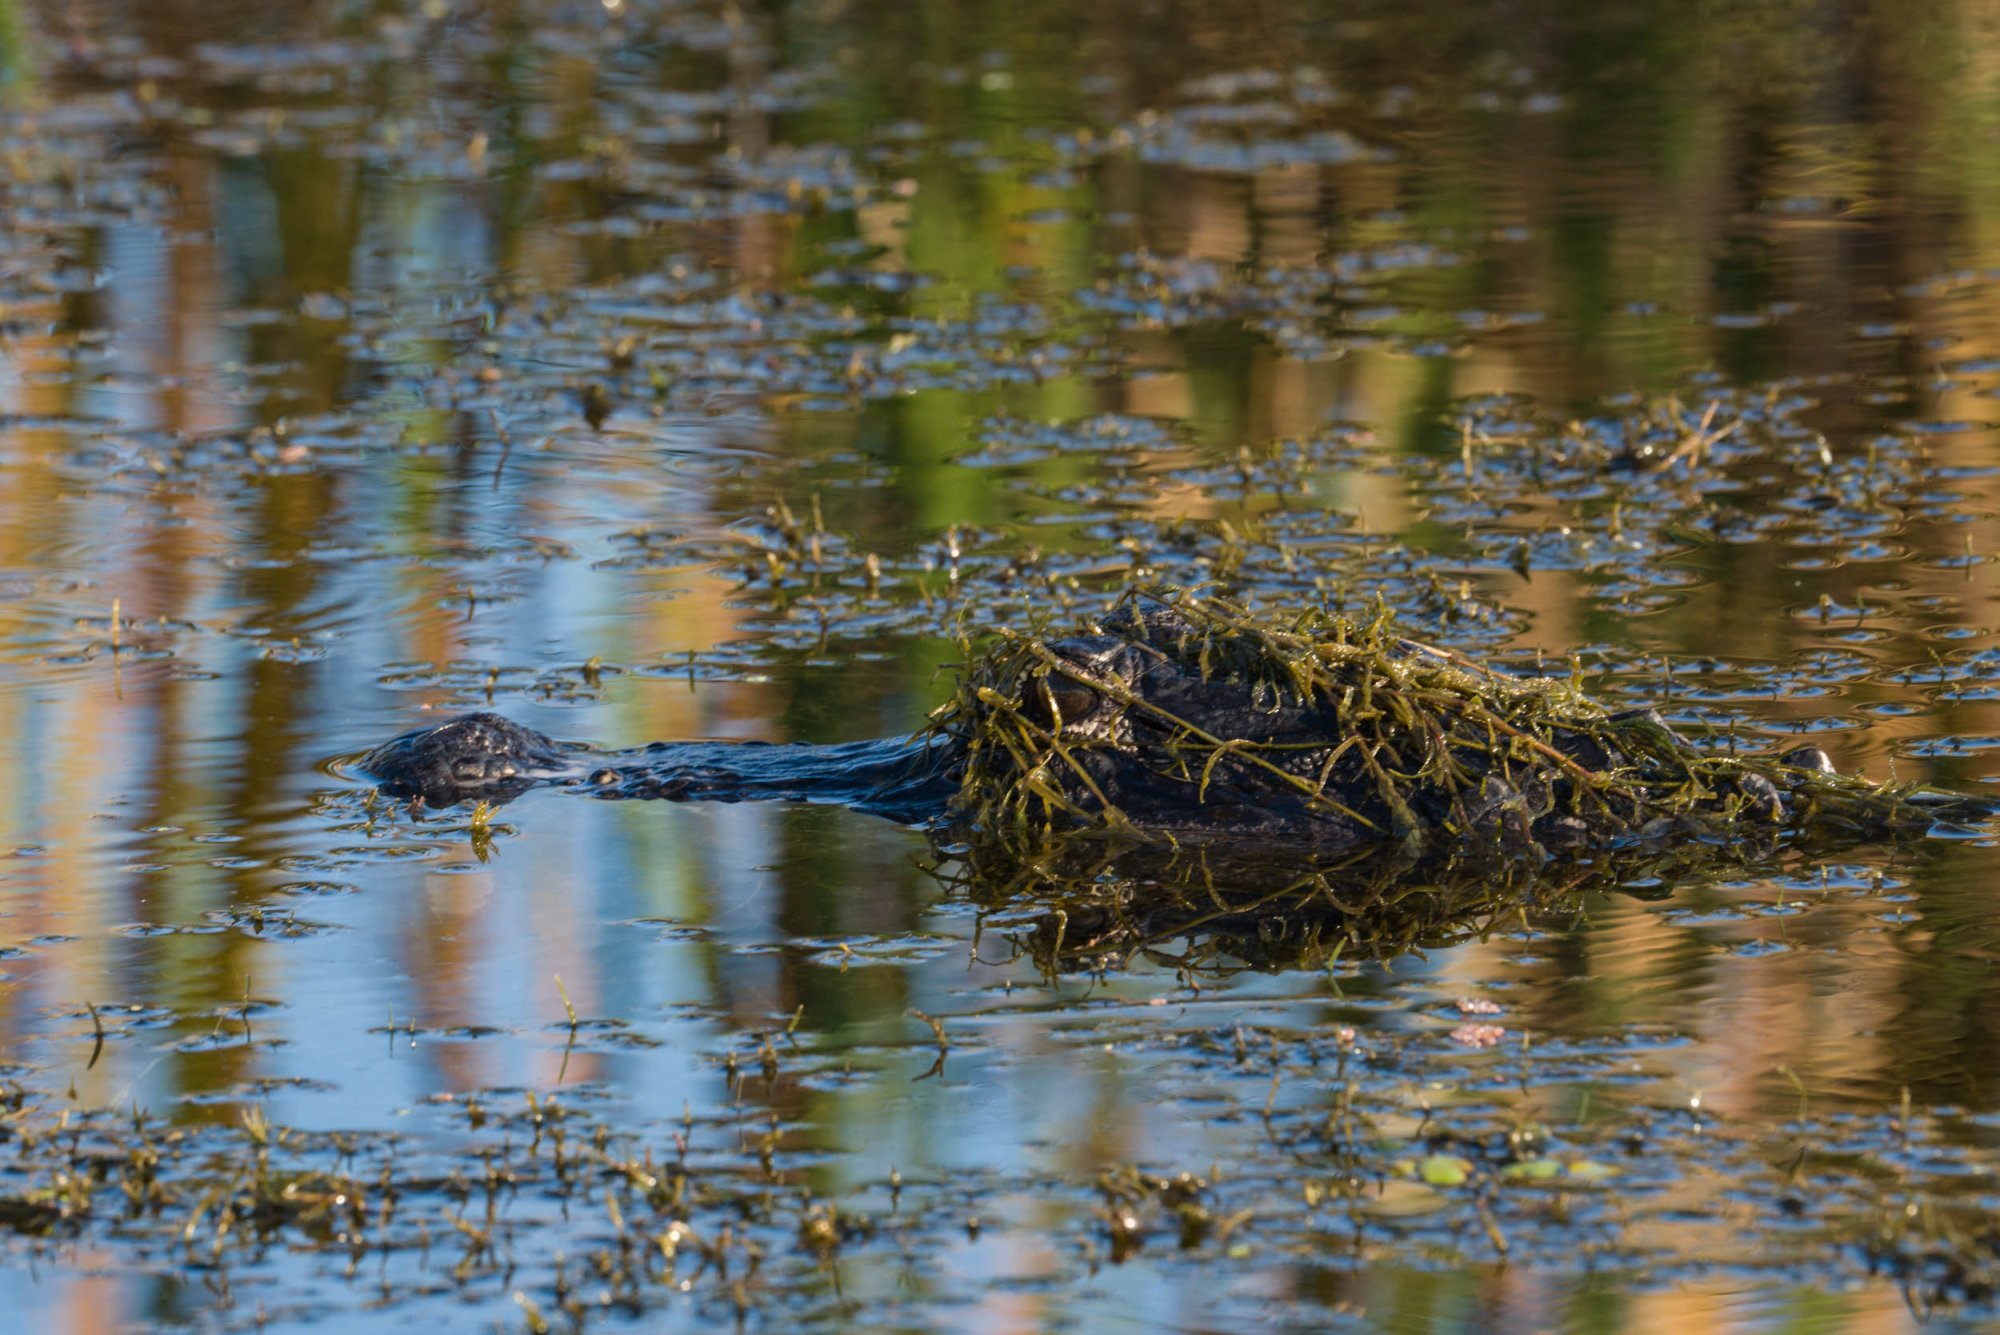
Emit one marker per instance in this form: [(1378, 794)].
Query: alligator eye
[(1052, 695)]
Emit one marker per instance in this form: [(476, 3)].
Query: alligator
[(1185, 718)]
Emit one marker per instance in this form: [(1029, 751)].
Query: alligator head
[(471, 758)]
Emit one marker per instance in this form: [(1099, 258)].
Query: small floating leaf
[(1444, 1170)]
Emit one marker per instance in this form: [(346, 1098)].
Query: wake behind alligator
[(1186, 718)]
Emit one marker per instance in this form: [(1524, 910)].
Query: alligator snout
[(472, 758)]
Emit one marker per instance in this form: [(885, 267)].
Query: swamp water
[(648, 370)]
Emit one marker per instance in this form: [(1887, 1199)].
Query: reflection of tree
[(1943, 1006)]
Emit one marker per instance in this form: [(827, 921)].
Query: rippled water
[(667, 370)]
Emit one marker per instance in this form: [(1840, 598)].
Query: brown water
[(653, 370)]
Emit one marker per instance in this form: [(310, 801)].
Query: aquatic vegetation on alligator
[(1186, 713)]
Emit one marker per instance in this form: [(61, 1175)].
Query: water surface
[(651, 370)]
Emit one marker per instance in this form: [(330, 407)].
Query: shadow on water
[(1203, 912)]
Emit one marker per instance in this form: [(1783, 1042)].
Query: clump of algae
[(1180, 714)]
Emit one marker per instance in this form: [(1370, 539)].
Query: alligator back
[(1191, 717)]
